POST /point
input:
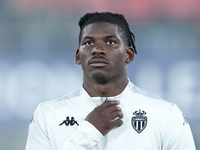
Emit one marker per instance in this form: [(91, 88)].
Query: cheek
[(120, 58), (83, 55), (84, 58)]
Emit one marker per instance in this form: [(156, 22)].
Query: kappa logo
[(32, 120), (184, 120), (68, 122), (139, 121)]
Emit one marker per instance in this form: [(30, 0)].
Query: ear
[(77, 57), (129, 55)]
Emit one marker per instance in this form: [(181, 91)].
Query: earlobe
[(77, 57), (129, 55)]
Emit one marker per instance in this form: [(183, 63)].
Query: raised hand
[(106, 116)]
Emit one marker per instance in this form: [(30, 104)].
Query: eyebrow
[(111, 36), (106, 37), (87, 37)]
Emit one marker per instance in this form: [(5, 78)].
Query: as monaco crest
[(139, 121)]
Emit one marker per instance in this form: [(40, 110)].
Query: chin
[(100, 79)]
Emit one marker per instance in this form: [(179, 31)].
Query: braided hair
[(113, 18)]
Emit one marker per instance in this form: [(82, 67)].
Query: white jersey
[(149, 124)]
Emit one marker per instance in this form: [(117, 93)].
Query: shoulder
[(148, 98), (59, 102)]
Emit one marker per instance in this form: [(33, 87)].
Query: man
[(108, 112)]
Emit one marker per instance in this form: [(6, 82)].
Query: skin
[(103, 56)]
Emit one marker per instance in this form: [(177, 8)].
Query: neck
[(109, 89)]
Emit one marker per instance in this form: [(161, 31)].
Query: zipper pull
[(104, 99)]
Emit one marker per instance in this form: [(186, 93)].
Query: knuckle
[(119, 113), (117, 123), (118, 108), (120, 123), (112, 102)]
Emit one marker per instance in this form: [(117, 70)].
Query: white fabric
[(166, 128)]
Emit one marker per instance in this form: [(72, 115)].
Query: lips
[(98, 62)]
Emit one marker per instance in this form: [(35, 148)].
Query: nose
[(98, 50)]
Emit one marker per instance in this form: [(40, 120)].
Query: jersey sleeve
[(84, 137), (178, 135), (37, 135)]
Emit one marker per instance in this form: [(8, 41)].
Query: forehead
[(101, 29)]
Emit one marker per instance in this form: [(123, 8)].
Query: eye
[(110, 42), (88, 43)]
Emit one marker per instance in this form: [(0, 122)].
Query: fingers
[(114, 119), (107, 104), (115, 115), (110, 110), (116, 123), (106, 116), (112, 114)]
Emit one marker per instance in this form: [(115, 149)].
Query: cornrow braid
[(113, 18), (132, 40)]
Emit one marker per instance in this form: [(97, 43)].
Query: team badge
[(139, 121)]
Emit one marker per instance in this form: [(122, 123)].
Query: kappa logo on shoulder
[(184, 120), (32, 120), (68, 122), (139, 121)]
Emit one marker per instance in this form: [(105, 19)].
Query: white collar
[(99, 100)]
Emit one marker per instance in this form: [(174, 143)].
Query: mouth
[(98, 62)]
